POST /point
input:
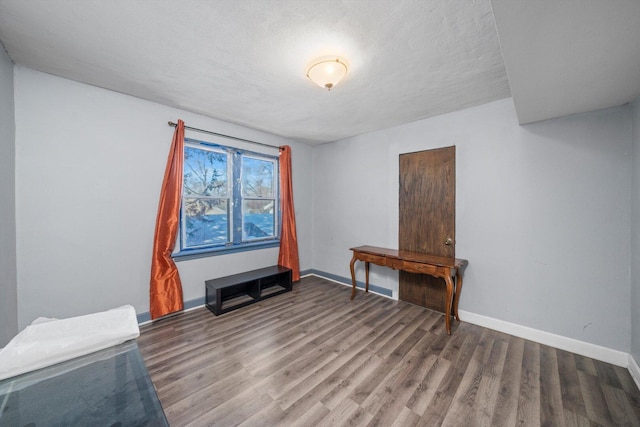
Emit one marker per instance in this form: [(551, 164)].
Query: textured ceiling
[(567, 57), (244, 61)]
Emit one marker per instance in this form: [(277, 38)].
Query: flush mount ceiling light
[(327, 71)]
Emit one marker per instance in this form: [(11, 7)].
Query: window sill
[(223, 250)]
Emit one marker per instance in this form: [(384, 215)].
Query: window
[(258, 198), (229, 199)]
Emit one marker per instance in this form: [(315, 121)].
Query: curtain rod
[(172, 124)]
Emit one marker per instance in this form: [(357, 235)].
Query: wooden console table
[(449, 269)]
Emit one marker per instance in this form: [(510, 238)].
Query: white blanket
[(49, 341)]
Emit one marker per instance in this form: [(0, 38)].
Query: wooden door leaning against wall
[(427, 219)]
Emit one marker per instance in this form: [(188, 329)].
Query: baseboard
[(144, 318), (593, 351), (378, 290), (615, 357), (634, 370)]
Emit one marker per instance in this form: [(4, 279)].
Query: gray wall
[(89, 166), (635, 236), (543, 214), (8, 284), (8, 280), (540, 208)]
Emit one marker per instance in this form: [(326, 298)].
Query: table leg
[(353, 278), (448, 303), (366, 272), (456, 297)]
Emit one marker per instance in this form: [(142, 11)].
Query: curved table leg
[(447, 315), (353, 278), (366, 269), (456, 297)]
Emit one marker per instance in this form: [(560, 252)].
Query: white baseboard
[(593, 351), (634, 370), (615, 357)]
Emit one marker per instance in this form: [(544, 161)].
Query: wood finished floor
[(311, 357)]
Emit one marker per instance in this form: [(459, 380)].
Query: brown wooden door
[(427, 219)]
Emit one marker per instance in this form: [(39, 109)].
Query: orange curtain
[(288, 256), (166, 287)]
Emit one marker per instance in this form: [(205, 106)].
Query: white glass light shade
[(327, 71)]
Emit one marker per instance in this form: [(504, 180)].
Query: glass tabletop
[(110, 387)]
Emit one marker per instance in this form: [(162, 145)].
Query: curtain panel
[(165, 285), (288, 255)]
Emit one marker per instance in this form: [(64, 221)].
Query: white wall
[(89, 165), (8, 284), (543, 213), (635, 236)]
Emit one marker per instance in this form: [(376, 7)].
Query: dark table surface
[(110, 387)]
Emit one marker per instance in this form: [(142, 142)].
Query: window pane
[(258, 219), (206, 221), (205, 173), (229, 197), (257, 177)]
